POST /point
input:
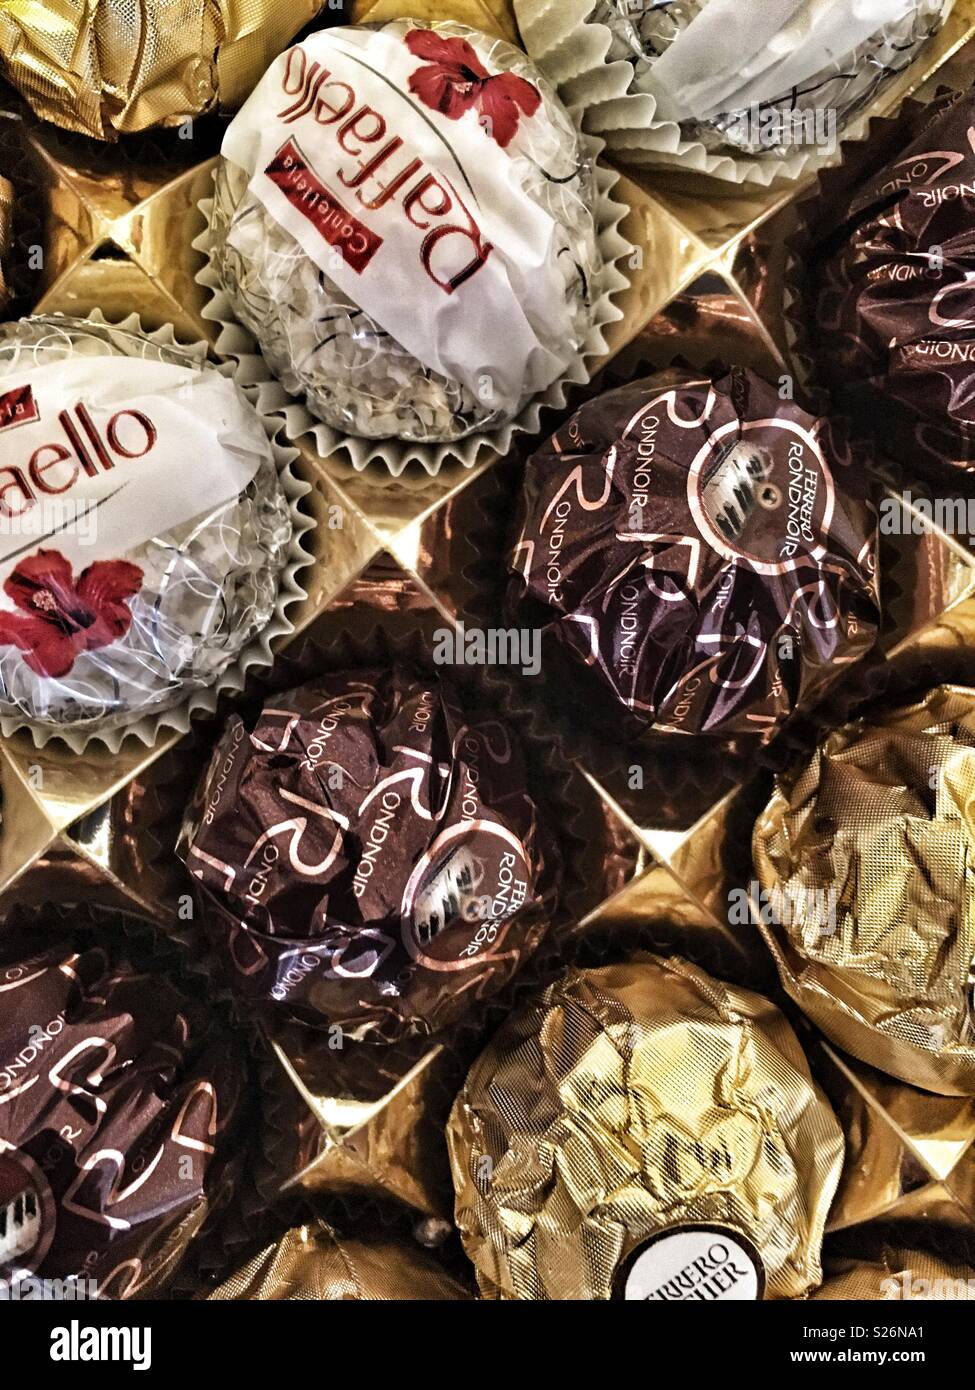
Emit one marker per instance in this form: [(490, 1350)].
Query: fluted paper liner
[(236, 343), (865, 855), (259, 652), (570, 47)]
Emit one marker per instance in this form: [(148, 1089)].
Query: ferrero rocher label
[(315, 1263), (865, 860), (644, 1132), (116, 66)]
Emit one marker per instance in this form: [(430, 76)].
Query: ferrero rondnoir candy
[(369, 855), (403, 219), (642, 1131), (699, 555), (120, 1105), (893, 305)]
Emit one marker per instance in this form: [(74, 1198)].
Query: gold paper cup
[(864, 856), (314, 1263), (643, 1131), (118, 66)]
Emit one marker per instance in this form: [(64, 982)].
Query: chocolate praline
[(699, 554), (892, 297), (369, 855), (119, 1108)]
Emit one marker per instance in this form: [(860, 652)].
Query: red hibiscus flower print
[(455, 80), (59, 619)]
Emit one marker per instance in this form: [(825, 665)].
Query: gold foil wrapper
[(898, 1274), (111, 67), (6, 213), (865, 858), (314, 1263), (633, 1102)]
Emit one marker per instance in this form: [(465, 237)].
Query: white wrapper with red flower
[(145, 532), (414, 231)]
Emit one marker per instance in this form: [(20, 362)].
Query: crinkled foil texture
[(323, 347), (208, 587), (118, 1113), (315, 1263), (898, 1274), (369, 855), (866, 857), (110, 67), (629, 1100), (649, 552), (895, 316), (846, 84)]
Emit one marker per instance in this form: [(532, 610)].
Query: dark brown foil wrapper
[(702, 551), (118, 66), (118, 1109), (637, 1104), (864, 855), (369, 855), (315, 1263), (895, 317)]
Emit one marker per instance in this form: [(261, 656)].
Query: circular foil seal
[(369, 855), (692, 1264), (699, 555)]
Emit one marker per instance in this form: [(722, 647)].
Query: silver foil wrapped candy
[(143, 525), (763, 79)]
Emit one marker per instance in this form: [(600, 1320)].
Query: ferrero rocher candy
[(703, 553), (143, 526), (864, 855), (315, 1263), (643, 1131), (369, 855), (765, 78), (898, 1274), (403, 219), (894, 308), (109, 67), (119, 1109)]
